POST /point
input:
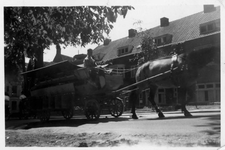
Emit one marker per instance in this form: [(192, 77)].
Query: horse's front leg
[(133, 100), (182, 97), (151, 97)]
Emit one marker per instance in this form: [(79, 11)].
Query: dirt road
[(201, 130)]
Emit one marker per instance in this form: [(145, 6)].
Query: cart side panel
[(58, 89), (55, 97), (113, 82), (82, 73), (67, 100)]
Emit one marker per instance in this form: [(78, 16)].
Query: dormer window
[(159, 41), (210, 27), (124, 50), (164, 39)]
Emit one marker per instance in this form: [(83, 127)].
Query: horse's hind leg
[(151, 97), (182, 97)]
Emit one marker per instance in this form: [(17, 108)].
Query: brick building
[(197, 31)]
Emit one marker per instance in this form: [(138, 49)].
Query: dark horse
[(182, 74)]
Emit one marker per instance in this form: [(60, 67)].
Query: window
[(201, 86), (158, 41), (133, 71), (147, 92), (175, 92), (209, 86), (164, 39), (14, 105), (206, 96), (161, 90), (160, 98), (7, 89), (217, 85), (123, 50), (14, 90), (210, 27), (203, 29), (119, 69)]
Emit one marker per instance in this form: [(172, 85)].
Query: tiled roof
[(110, 51), (64, 57), (183, 29)]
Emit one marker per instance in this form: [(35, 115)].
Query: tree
[(150, 49), (33, 29)]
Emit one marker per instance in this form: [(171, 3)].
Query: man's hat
[(89, 50)]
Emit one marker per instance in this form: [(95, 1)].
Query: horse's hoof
[(187, 114), (134, 117), (161, 115)]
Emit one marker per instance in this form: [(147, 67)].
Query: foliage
[(151, 51), (149, 48), (33, 29)]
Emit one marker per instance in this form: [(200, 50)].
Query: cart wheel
[(44, 115), (116, 107), (92, 110), (67, 113), (33, 114)]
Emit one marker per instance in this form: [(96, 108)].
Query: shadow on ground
[(180, 115), (214, 123), (65, 123)]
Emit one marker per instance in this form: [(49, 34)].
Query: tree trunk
[(40, 58), (58, 56), (24, 83)]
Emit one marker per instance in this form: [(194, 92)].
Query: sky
[(148, 13)]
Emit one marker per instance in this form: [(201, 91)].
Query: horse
[(182, 74)]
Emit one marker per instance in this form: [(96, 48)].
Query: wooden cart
[(63, 86)]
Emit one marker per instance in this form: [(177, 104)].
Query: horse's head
[(200, 58)]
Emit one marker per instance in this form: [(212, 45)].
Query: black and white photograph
[(113, 74)]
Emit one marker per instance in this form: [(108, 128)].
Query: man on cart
[(90, 63)]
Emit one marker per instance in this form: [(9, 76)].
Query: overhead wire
[(118, 70)]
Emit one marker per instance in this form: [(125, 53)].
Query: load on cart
[(63, 86)]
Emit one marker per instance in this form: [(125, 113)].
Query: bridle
[(176, 67)]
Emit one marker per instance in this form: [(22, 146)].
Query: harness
[(174, 62), (180, 68)]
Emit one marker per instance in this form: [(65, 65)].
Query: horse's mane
[(165, 57), (182, 56)]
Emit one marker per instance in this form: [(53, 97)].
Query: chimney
[(164, 22), (107, 41), (132, 33), (209, 8)]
